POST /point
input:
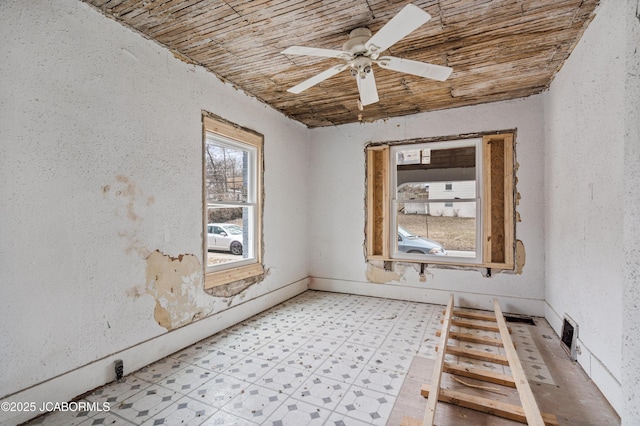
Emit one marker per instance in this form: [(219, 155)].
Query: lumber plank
[(529, 404), (486, 405), (473, 315), (508, 200), (479, 374), (436, 376), (478, 325), (410, 421), (466, 337), (471, 353)]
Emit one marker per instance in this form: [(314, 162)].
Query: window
[(444, 201), (233, 202)]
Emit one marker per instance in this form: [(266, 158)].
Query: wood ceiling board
[(499, 49)]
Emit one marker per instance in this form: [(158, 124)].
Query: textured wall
[(101, 183), (631, 240), (585, 173)]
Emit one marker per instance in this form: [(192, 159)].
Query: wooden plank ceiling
[(499, 50)]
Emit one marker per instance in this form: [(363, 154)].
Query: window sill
[(501, 266), (215, 279)]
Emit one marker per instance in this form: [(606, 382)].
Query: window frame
[(496, 227), (234, 136), (397, 255)]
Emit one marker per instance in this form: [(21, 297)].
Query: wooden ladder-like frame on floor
[(528, 413)]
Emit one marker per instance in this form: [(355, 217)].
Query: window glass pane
[(229, 234), (423, 227), (436, 200), (227, 172), (447, 165)]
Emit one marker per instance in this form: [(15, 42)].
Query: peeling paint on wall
[(176, 284), (520, 256), (234, 288), (130, 204)]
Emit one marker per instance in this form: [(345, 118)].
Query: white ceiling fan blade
[(318, 78), (406, 21), (315, 51), (367, 88), (421, 69)]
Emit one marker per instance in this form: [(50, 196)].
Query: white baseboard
[(67, 386), (591, 364), (509, 304)]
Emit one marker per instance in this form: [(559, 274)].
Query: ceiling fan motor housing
[(357, 39)]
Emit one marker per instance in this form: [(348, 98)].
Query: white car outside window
[(225, 236)]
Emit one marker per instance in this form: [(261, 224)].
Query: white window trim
[(393, 193), (250, 203), (237, 137)]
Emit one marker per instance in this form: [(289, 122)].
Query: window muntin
[(436, 200), (232, 203)]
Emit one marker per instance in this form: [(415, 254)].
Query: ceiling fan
[(362, 50)]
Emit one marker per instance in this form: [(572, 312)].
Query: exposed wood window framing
[(242, 192), (378, 202), (495, 222), (498, 201)]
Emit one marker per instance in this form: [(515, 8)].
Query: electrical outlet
[(119, 367)]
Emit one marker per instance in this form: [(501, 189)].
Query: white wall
[(338, 208), (585, 177), (101, 165), (631, 222)]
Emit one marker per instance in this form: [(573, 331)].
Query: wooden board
[(486, 405), (436, 377), (377, 202), (482, 356), (410, 421), (529, 403), (478, 325), (479, 374), (473, 338), (474, 315)]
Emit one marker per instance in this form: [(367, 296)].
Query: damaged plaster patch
[(234, 288), (521, 256), (380, 275), (176, 285)]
